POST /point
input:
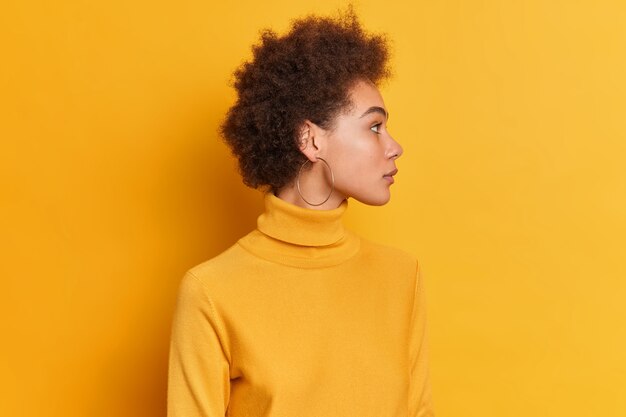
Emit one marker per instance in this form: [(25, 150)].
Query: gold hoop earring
[(332, 188)]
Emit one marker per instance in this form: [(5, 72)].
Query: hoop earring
[(332, 188)]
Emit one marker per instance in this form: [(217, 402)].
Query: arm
[(420, 399), (198, 373)]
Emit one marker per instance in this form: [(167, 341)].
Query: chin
[(371, 199)]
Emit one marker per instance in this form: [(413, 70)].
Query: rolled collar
[(301, 237), (301, 226)]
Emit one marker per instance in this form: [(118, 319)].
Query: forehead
[(363, 96)]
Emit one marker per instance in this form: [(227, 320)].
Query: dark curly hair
[(305, 74)]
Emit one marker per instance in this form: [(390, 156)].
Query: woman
[(302, 317)]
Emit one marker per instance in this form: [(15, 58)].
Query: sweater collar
[(301, 237), (301, 226)]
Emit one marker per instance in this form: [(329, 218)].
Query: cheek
[(357, 157)]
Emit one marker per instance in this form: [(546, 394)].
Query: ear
[(311, 140)]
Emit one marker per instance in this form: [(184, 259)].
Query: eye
[(377, 127)]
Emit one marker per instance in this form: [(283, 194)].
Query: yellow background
[(511, 192)]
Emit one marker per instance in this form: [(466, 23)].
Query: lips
[(392, 173)]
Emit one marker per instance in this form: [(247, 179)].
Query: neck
[(301, 225), (299, 236), (291, 195)]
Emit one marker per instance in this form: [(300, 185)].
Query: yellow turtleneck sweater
[(300, 318)]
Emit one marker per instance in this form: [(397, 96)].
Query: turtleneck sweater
[(301, 317)]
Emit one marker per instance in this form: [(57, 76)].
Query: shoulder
[(218, 262), (214, 272), (392, 256)]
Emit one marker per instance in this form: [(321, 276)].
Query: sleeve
[(420, 398), (198, 370)]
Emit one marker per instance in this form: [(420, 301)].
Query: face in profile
[(360, 150)]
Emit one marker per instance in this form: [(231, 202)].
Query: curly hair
[(305, 74)]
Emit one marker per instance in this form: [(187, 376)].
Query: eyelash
[(377, 125)]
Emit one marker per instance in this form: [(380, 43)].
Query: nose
[(395, 150)]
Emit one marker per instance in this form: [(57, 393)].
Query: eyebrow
[(376, 109)]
